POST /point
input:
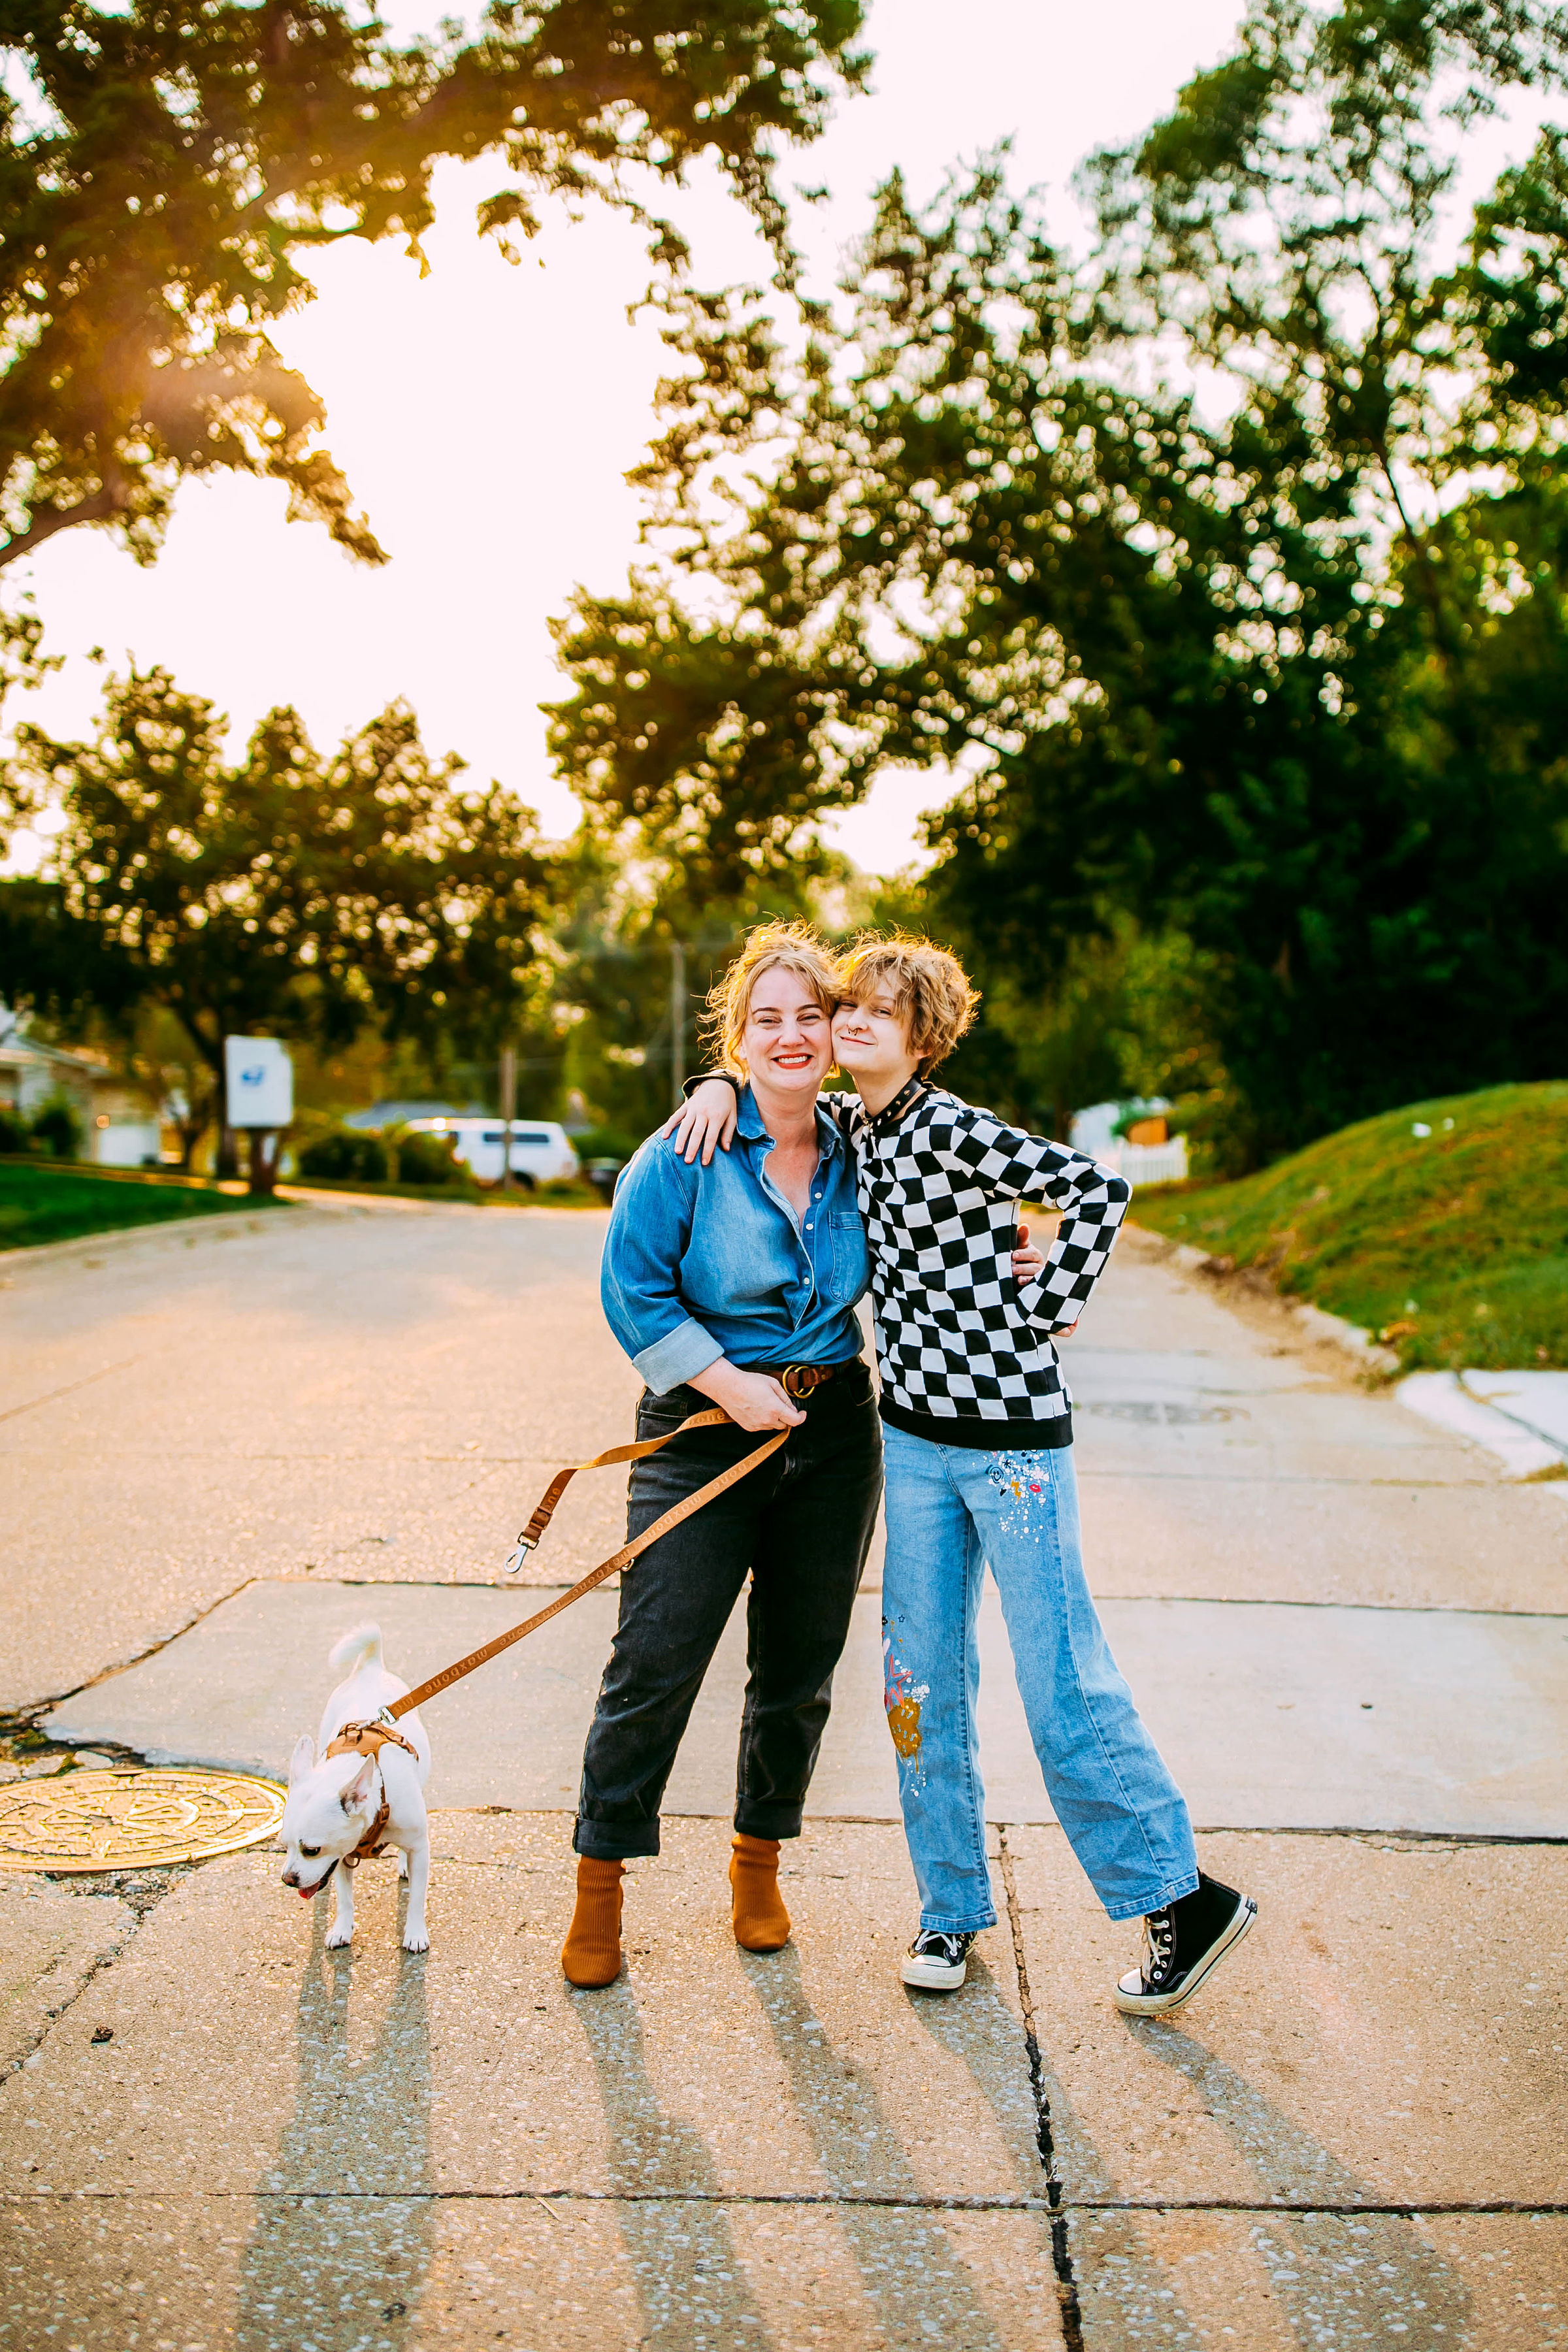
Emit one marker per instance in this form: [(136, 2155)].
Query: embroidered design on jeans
[(1020, 1481), (903, 1697)]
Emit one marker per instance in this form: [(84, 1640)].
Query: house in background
[(118, 1121), (1145, 1152)]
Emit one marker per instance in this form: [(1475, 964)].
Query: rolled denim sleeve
[(640, 1278)]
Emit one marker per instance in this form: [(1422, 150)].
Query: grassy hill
[(1452, 1243), (43, 1204)]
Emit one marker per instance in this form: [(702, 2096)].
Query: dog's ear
[(303, 1759), (357, 1793)]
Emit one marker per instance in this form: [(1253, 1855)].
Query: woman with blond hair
[(736, 1284)]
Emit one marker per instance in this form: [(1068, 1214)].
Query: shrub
[(14, 1135), (1221, 1132), (604, 1143), (423, 1158), (58, 1129), (1132, 1115), (345, 1153)]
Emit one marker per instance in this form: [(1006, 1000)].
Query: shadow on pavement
[(978, 2028), (691, 2282), (916, 2269), (1340, 2277), (344, 2271)]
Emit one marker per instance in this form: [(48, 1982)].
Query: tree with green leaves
[(1279, 675), (284, 893), (168, 172), (639, 942), (700, 749)]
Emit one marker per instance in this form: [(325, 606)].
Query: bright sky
[(486, 415)]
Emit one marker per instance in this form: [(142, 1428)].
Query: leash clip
[(518, 1554)]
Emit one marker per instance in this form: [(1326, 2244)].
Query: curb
[(1315, 1322), (379, 1203), (1471, 1381), (1322, 1325), (1444, 1398), (14, 1261)]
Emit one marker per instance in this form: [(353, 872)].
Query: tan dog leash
[(544, 1511)]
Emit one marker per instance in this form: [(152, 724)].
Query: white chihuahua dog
[(342, 1808)]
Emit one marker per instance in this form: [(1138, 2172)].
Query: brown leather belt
[(798, 1381)]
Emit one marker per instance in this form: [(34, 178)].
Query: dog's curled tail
[(361, 1647)]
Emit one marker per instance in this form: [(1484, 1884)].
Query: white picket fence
[(1147, 1163)]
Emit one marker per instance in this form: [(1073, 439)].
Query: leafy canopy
[(173, 165), (284, 892), (1279, 675)]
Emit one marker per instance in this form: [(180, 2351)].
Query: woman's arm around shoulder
[(708, 1116)]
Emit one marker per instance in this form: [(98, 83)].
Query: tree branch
[(110, 501)]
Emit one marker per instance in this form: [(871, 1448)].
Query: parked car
[(540, 1149)]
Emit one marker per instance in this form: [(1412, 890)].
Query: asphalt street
[(1349, 1630)]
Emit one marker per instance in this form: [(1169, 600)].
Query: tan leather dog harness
[(369, 1740), (798, 1381)]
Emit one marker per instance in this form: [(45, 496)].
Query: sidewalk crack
[(1061, 2252), (26, 1717), (94, 1970)]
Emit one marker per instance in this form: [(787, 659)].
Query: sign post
[(508, 1110), (258, 1090)]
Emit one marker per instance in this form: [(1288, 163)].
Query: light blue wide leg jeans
[(951, 1510)]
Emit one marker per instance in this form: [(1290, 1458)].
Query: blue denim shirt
[(708, 1262)]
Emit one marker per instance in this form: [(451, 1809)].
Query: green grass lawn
[(39, 1203), (1453, 1245), (555, 1193)]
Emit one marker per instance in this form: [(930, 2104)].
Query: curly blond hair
[(924, 981), (768, 947)]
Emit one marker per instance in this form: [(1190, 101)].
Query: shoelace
[(1159, 1937), (932, 1939)]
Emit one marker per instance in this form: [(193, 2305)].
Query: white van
[(540, 1149)]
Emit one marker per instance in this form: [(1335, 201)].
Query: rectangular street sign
[(260, 1081)]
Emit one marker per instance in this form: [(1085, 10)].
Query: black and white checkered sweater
[(965, 1353)]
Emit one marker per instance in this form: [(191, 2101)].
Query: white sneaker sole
[(930, 1976), (1161, 2004)]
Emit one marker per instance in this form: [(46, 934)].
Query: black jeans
[(802, 1523)]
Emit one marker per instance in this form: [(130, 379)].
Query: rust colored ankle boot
[(590, 1954), (761, 1923)]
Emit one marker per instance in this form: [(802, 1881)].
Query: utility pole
[(677, 1023), (508, 1111)]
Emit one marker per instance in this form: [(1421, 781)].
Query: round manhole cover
[(122, 1821)]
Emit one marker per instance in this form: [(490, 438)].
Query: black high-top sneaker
[(1181, 1944), (936, 1962)]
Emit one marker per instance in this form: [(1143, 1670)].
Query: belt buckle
[(806, 1374)]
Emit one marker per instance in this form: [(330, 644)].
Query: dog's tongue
[(306, 1893)]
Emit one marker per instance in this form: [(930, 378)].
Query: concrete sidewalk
[(216, 2133), (1357, 2130), (1279, 1715)]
